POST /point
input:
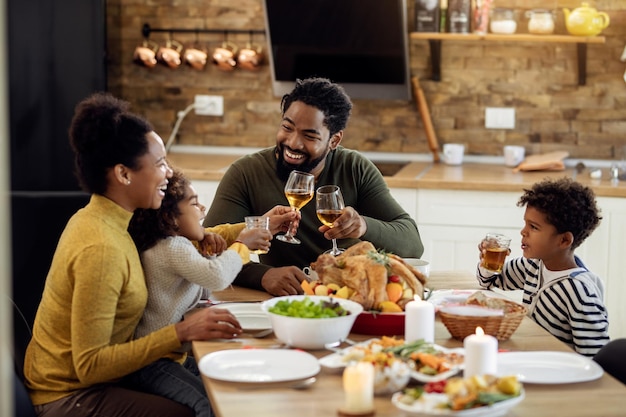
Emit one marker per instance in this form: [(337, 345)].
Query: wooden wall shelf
[(434, 39)]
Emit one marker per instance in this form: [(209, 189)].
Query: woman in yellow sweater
[(95, 293)]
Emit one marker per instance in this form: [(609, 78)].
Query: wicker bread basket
[(502, 327)]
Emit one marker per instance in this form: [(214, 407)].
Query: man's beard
[(283, 168)]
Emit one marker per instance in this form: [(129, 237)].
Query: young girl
[(563, 296), (178, 275)]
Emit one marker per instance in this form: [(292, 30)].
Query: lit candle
[(419, 321), (358, 384), (481, 354)]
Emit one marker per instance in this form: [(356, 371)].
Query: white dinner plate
[(426, 409), (547, 367), (336, 362), (259, 365), (249, 315)]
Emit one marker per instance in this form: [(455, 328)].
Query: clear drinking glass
[(299, 191), (329, 205)]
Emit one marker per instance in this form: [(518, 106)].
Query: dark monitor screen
[(360, 44)]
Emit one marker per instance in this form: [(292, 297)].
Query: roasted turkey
[(365, 270)]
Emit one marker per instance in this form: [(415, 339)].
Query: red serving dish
[(379, 324)]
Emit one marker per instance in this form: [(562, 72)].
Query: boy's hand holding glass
[(494, 249)]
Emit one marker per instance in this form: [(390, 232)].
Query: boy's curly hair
[(568, 205), (148, 226)]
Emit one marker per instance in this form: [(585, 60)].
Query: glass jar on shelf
[(541, 21), (502, 21)]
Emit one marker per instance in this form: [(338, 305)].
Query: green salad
[(308, 309)]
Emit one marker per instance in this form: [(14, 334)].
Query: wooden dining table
[(604, 396)]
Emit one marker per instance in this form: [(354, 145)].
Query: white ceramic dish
[(250, 315), (259, 365), (336, 362), (546, 367), (427, 409)]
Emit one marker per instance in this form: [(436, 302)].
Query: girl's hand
[(212, 244), (256, 239)]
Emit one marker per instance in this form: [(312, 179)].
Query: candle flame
[(416, 297), (479, 331)]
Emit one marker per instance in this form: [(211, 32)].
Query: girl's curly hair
[(568, 205), (148, 226)]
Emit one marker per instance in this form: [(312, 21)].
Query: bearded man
[(314, 116)]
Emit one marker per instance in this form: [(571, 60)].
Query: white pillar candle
[(419, 321), (481, 354), (358, 385)]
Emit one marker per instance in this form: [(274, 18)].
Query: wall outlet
[(209, 105), (500, 118)]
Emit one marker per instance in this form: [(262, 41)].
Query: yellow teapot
[(585, 21)]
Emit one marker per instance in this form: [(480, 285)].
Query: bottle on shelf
[(443, 14), (427, 15), (459, 12)]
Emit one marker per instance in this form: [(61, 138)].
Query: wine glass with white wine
[(299, 191), (329, 205)]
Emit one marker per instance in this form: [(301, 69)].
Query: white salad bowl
[(312, 333)]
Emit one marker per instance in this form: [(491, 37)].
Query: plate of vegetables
[(477, 396), (427, 362), (430, 362)]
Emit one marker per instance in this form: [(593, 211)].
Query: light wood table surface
[(602, 397)]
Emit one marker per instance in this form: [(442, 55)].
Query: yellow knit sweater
[(93, 298)]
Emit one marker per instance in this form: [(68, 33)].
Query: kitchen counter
[(471, 176)]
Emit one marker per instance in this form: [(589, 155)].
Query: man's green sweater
[(252, 187)]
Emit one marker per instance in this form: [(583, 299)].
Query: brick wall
[(538, 79)]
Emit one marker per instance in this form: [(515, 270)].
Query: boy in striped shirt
[(562, 295)]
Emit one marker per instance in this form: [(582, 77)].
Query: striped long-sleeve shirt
[(569, 304)]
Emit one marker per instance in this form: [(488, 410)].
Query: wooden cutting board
[(551, 161)]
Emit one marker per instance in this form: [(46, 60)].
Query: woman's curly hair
[(568, 205), (328, 97), (104, 133), (148, 226)]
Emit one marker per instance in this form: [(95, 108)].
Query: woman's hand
[(281, 217), (208, 323)]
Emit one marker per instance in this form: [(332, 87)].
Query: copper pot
[(250, 57), (225, 56), (170, 54)]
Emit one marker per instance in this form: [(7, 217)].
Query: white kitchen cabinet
[(607, 246), (407, 198)]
